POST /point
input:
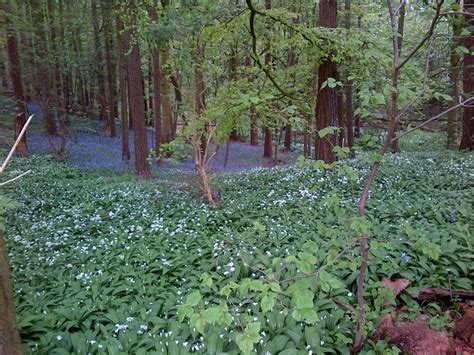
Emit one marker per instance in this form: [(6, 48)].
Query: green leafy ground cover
[(102, 263)]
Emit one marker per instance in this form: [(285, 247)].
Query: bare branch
[(427, 36), (18, 139), (461, 104), (15, 178)]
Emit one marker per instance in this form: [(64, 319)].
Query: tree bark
[(454, 67), (349, 108), (123, 45), (109, 43), (326, 102), (155, 54), (467, 123), (137, 107), (15, 75), (167, 114), (99, 62), (401, 27), (267, 132), (43, 74), (178, 98), (10, 343)]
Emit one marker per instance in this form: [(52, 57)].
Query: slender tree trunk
[(137, 107), (467, 122), (109, 44), (291, 62), (99, 63), (326, 102), (199, 95), (349, 108), (267, 132), (167, 114), (253, 116), (401, 26), (178, 97), (454, 67), (122, 47), (15, 75), (43, 74), (155, 54), (357, 123)]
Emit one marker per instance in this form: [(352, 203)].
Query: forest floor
[(102, 261)]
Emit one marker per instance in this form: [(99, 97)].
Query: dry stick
[(18, 139), (15, 178), (359, 337)]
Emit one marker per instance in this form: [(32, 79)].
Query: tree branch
[(18, 139)]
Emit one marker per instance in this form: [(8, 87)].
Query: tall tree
[(401, 30), (137, 106), (326, 102), (156, 66), (106, 7), (167, 114), (454, 70), (42, 70), (99, 68), (267, 133), (291, 63), (123, 39), (15, 75), (349, 108), (467, 123)]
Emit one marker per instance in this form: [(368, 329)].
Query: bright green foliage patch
[(110, 264)]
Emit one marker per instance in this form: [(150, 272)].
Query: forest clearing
[(259, 176)]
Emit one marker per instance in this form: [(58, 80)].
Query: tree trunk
[(291, 62), (200, 95), (454, 67), (167, 117), (99, 63), (401, 26), (467, 122), (15, 75), (178, 98), (109, 43), (10, 343), (137, 107), (155, 54), (253, 116), (267, 132), (349, 108), (43, 74), (122, 47), (326, 102)]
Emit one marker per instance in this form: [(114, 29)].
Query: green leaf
[(212, 315), (268, 302), (194, 298), (304, 299)]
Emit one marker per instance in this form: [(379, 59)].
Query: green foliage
[(110, 264)]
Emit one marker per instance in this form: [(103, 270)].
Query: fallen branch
[(433, 293)]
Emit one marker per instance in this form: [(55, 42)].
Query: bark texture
[(467, 123), (326, 102)]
